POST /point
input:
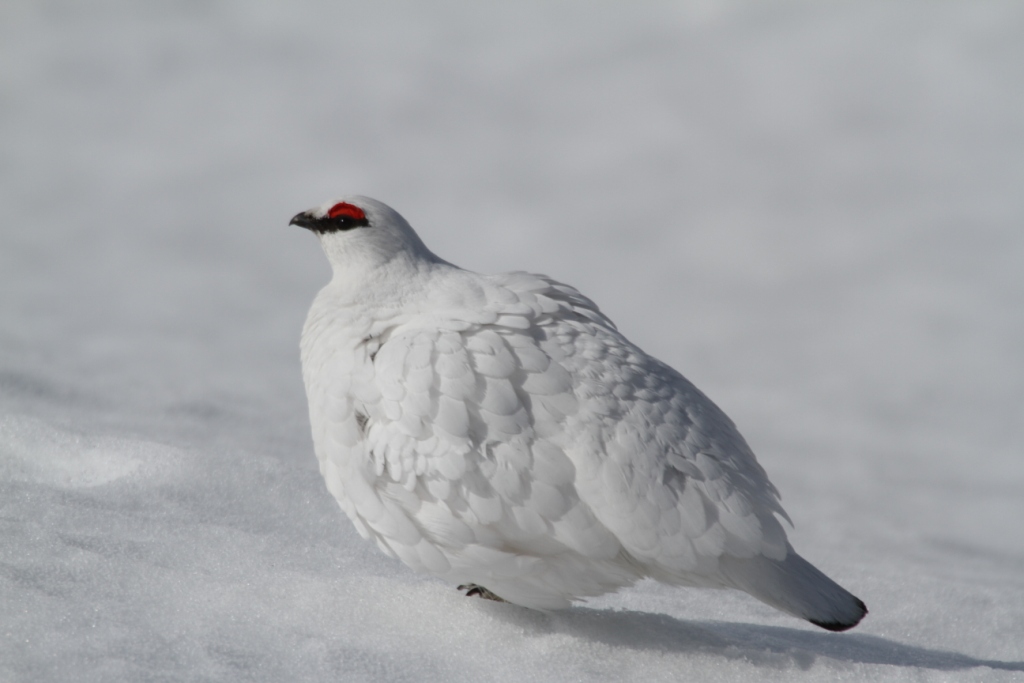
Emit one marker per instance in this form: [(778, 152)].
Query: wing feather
[(529, 427)]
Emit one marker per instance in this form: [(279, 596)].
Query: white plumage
[(498, 430)]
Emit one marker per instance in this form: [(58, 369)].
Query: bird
[(500, 433)]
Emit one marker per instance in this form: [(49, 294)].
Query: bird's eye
[(345, 210)]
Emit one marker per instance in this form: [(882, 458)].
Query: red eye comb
[(345, 210)]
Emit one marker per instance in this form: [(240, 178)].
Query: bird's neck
[(376, 281)]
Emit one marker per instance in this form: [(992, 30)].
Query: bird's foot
[(479, 591)]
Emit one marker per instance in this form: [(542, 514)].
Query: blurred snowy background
[(813, 210)]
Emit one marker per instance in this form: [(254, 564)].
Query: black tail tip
[(838, 626)]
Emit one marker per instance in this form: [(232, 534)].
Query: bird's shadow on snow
[(773, 646)]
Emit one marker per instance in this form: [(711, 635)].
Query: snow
[(825, 196)]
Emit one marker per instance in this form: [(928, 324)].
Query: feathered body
[(499, 430)]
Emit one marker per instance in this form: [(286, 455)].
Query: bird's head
[(359, 233)]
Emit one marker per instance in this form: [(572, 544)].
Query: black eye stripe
[(340, 223), (327, 224)]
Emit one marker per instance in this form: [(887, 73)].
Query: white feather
[(498, 429)]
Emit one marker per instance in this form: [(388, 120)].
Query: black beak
[(304, 220)]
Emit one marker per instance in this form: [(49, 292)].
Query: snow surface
[(813, 210)]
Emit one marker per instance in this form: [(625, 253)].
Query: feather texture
[(499, 430)]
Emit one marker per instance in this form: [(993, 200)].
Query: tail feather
[(796, 587)]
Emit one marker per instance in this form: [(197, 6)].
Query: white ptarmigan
[(499, 432)]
